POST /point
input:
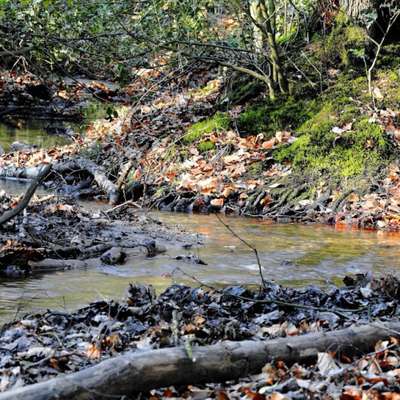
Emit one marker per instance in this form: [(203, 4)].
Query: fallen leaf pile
[(375, 376), (40, 346)]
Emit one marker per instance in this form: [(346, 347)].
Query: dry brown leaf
[(217, 202), (221, 395), (269, 144), (93, 352), (277, 396), (351, 393)]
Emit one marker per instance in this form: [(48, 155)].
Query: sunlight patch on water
[(295, 255)]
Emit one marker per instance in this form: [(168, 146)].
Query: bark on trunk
[(135, 372), (355, 8)]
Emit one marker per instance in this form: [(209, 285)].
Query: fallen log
[(62, 167), (20, 172), (54, 264), (29, 173), (141, 371), (101, 179), (10, 214)]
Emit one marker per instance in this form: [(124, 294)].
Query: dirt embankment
[(179, 148), (53, 234)]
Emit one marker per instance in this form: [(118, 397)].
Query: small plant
[(218, 122), (206, 145)]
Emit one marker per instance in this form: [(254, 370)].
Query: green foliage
[(206, 145), (218, 122), (68, 36), (360, 151), (272, 117)]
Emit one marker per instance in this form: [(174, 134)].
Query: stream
[(291, 254), (32, 133)]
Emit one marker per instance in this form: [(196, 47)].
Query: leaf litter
[(44, 345)]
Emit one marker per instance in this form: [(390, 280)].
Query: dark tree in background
[(376, 15)]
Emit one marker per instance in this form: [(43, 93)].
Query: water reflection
[(290, 254), (30, 132)]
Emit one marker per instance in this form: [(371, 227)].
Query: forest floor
[(168, 141), (54, 343), (182, 141)]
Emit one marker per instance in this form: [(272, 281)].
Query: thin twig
[(339, 311), (250, 246)]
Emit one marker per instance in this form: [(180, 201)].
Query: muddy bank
[(53, 234), (41, 346), (176, 151), (25, 96)]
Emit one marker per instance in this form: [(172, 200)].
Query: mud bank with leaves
[(41, 346), (331, 159), (55, 235)]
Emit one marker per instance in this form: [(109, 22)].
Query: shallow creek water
[(31, 132), (290, 254)]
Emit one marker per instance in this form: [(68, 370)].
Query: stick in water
[(10, 214)]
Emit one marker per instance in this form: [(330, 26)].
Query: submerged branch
[(10, 214)]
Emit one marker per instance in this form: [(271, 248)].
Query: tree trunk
[(99, 175), (10, 214), (139, 372), (263, 15), (355, 8)]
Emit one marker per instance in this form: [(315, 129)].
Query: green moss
[(361, 151), (256, 169), (341, 19), (389, 57), (348, 114), (206, 145), (321, 121), (218, 122), (345, 45), (271, 117), (388, 82), (206, 90), (242, 89), (354, 35), (253, 120)]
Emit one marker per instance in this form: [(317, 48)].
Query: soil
[(54, 233)]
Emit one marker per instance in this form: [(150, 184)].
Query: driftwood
[(101, 179), (63, 167), (123, 175), (10, 214), (57, 264), (136, 372)]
